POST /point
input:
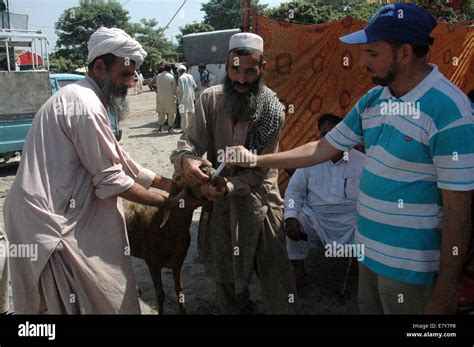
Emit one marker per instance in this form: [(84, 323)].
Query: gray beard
[(241, 106), (117, 104)]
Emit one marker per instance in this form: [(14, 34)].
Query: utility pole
[(8, 14), (246, 26)]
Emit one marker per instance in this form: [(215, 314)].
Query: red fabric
[(27, 59), (313, 72)]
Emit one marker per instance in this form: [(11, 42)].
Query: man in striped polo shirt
[(415, 190)]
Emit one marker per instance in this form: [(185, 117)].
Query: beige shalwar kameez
[(64, 200), (166, 97), (243, 231)]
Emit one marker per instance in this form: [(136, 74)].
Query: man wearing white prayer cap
[(64, 203), (246, 40), (241, 228)]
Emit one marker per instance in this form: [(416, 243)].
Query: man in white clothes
[(321, 202), (186, 97), (65, 201)]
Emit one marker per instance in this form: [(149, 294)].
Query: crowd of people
[(405, 195)]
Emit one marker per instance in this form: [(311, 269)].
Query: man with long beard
[(64, 201), (241, 230), (414, 202)]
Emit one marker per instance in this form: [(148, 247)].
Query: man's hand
[(192, 168), (454, 246), (292, 230), (240, 156), (440, 304)]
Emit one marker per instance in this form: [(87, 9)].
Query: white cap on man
[(246, 40)]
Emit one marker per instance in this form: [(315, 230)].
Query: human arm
[(454, 245), (306, 155)]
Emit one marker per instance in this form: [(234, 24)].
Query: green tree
[(468, 9), (227, 14), (61, 64), (195, 27), (75, 26), (154, 43), (441, 11), (311, 12)]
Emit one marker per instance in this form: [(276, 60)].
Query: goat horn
[(166, 216)]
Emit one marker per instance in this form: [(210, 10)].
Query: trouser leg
[(230, 302), (368, 292)]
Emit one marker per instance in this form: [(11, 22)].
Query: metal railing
[(36, 39)]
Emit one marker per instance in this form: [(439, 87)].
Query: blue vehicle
[(59, 80)]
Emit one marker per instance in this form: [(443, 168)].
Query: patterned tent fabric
[(313, 72)]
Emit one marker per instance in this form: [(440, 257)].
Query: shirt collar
[(337, 162), (419, 90)]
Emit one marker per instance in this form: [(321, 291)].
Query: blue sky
[(44, 13)]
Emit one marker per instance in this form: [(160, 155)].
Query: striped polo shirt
[(416, 145)]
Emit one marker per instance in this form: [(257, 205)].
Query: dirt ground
[(152, 150)]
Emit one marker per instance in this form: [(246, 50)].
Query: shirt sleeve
[(138, 173), (452, 149), (195, 139), (295, 193), (347, 133), (174, 86), (180, 90), (95, 146)]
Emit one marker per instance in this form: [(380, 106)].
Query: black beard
[(241, 106), (391, 75), (117, 103)]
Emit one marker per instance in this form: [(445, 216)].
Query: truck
[(23, 92), (208, 48)]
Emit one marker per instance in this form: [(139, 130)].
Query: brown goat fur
[(163, 246)]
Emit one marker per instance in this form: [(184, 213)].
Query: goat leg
[(160, 294), (178, 287)]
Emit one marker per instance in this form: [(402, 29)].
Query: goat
[(161, 237)]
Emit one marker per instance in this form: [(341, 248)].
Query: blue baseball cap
[(402, 23)]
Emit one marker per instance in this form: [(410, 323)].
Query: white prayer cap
[(182, 68), (117, 42), (246, 40)]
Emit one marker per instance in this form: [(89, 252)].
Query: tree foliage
[(442, 12), (153, 41), (76, 25), (226, 14), (323, 11), (62, 64), (312, 12)]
